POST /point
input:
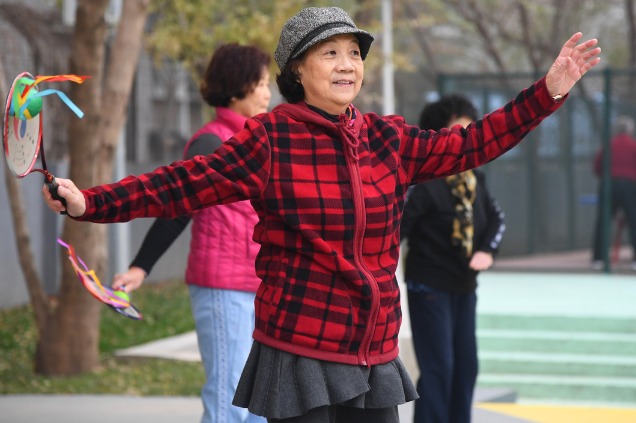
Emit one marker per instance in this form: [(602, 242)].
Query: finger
[(67, 186), (588, 57), (64, 182), (132, 285), (118, 280), (574, 39), (589, 65), (67, 193), (585, 50), (591, 53), (53, 204), (570, 44), (586, 44), (67, 189)]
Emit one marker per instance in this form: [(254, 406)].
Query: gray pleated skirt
[(279, 385)]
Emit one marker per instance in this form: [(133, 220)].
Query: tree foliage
[(433, 36), (430, 37), (189, 30)]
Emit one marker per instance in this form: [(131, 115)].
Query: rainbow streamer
[(21, 101), (91, 282)]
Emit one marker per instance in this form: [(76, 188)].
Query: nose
[(345, 63)]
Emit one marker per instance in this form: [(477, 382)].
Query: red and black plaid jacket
[(329, 197)]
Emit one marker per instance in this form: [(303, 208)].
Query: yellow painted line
[(562, 414)]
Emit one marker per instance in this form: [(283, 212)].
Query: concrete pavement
[(127, 409)]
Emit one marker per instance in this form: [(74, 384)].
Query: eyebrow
[(353, 39)]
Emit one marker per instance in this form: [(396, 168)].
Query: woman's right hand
[(129, 281), (75, 201)]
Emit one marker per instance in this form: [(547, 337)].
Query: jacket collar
[(230, 118), (302, 113)]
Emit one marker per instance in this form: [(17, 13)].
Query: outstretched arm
[(238, 170)]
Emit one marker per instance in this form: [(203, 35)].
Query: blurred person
[(220, 273), (622, 196), (328, 184), (453, 227)]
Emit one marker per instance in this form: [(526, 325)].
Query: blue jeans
[(224, 322), (443, 326)]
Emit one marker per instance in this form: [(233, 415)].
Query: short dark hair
[(288, 82), (233, 72), (438, 114)]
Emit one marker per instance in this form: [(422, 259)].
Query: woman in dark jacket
[(328, 184), (453, 227)]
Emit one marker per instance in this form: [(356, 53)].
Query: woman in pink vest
[(220, 272)]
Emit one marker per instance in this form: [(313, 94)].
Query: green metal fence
[(546, 185)]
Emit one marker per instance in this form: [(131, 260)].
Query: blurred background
[(486, 49)]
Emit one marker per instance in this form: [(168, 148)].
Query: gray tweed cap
[(313, 25)]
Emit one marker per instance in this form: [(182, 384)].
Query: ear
[(296, 71)]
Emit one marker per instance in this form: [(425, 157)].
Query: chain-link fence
[(546, 185)]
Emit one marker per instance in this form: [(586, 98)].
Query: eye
[(355, 53)]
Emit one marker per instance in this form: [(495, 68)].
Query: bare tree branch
[(118, 83), (526, 30), (476, 16), (421, 37)]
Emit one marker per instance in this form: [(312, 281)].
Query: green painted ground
[(559, 337)]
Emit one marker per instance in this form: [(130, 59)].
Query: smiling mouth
[(346, 83)]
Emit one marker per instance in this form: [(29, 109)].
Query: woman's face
[(464, 121), (331, 73), (257, 100)]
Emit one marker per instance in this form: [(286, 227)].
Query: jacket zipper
[(360, 225)]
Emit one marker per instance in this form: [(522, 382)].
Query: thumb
[(119, 282)]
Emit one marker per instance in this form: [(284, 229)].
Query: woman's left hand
[(481, 261), (573, 62)]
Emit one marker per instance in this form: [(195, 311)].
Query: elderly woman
[(328, 184)]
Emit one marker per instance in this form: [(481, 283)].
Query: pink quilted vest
[(222, 252)]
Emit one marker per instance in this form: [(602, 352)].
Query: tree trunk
[(69, 345), (124, 57)]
